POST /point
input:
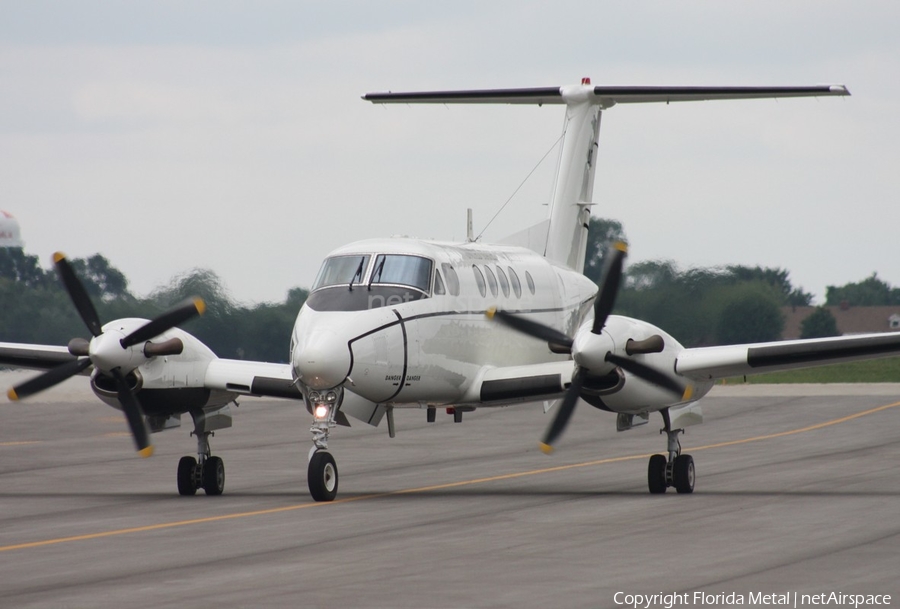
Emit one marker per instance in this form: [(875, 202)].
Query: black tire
[(186, 484), (656, 474), (322, 476), (213, 476), (684, 474)]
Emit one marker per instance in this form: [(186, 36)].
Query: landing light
[(321, 411), (314, 397), (331, 397)]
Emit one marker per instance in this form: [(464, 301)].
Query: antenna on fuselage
[(470, 233)]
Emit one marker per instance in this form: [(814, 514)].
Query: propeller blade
[(48, 379), (181, 313), (77, 293), (563, 412), (133, 414), (532, 328), (651, 375), (609, 285)]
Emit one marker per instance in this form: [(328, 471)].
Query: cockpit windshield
[(342, 270), (397, 269)]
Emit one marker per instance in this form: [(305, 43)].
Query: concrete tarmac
[(798, 491)]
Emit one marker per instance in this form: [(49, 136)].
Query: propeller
[(561, 343), (109, 356)]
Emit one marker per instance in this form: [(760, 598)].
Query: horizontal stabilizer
[(601, 95)]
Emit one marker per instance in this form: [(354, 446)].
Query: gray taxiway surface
[(798, 490)]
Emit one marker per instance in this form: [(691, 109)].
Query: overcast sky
[(227, 135)]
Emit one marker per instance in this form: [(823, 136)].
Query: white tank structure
[(10, 235)]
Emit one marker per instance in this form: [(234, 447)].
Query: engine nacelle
[(169, 385)]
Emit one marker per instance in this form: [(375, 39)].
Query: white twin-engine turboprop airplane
[(404, 323)]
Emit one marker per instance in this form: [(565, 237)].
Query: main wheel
[(213, 476), (656, 474), (186, 484), (322, 476), (683, 474)]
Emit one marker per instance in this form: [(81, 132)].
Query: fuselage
[(403, 321)]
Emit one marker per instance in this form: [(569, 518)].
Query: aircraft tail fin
[(566, 230)]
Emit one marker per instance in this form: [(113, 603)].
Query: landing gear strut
[(206, 472), (322, 472), (677, 470)]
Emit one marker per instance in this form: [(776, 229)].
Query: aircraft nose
[(321, 360)]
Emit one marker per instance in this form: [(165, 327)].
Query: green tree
[(601, 233), (870, 292), (102, 280), (819, 324), (751, 313), (777, 278)]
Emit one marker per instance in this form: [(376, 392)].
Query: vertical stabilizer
[(570, 205), (566, 229)]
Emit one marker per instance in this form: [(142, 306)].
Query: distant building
[(10, 236), (850, 320)]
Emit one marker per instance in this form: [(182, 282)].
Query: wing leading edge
[(710, 363)]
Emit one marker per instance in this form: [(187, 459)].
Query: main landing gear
[(206, 472), (677, 470)]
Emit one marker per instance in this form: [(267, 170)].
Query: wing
[(513, 384), (252, 378), (35, 357), (710, 363)]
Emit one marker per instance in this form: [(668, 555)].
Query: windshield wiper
[(358, 273), (377, 271)]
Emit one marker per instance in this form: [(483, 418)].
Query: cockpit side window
[(438, 284), (342, 270), (402, 269)]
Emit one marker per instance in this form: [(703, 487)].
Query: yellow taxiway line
[(425, 489)]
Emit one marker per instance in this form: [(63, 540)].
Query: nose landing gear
[(322, 472), (677, 471)]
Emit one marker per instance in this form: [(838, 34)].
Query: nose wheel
[(322, 476)]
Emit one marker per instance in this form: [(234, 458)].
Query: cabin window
[(529, 281), (401, 269), (438, 284), (452, 278), (492, 281), (479, 279), (504, 283), (341, 270), (514, 280)]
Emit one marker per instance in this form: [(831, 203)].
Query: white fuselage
[(400, 344), (393, 343)]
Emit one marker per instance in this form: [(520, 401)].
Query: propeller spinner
[(562, 343), (110, 355)]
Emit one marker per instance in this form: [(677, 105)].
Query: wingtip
[(146, 452), (546, 448)]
